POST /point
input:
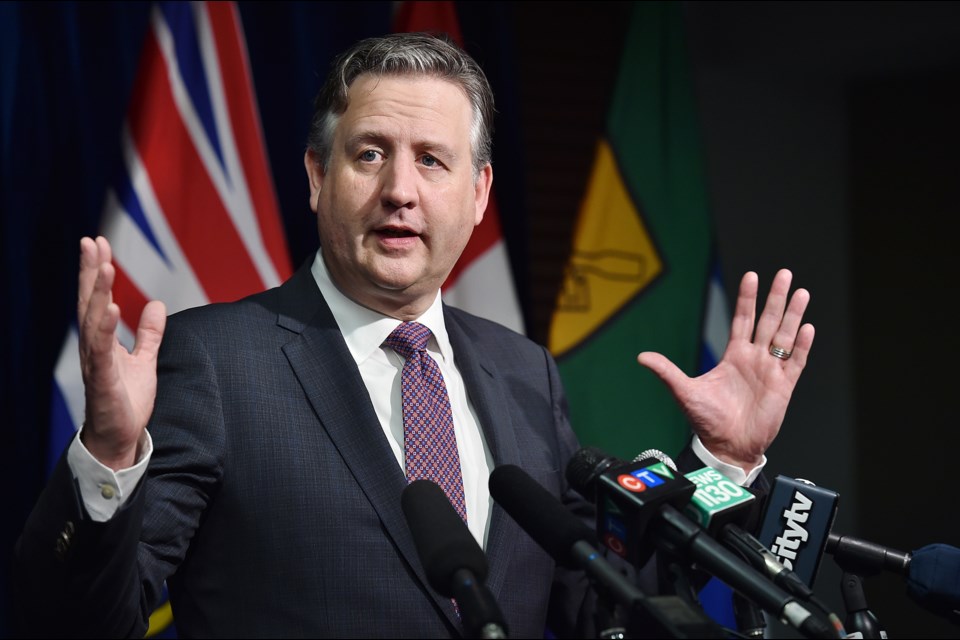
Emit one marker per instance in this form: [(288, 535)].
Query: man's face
[(398, 201)]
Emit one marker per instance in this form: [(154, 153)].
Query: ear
[(482, 191), (314, 175)]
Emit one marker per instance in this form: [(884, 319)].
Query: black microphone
[(628, 496), (639, 503), (866, 558), (453, 561), (572, 544), (797, 523), (797, 528), (721, 506)]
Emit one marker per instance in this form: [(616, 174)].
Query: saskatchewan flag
[(638, 275)]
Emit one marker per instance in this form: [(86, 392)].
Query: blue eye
[(369, 155), (430, 161)]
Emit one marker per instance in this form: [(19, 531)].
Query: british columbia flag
[(193, 217)]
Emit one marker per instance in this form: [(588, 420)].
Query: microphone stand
[(860, 620)]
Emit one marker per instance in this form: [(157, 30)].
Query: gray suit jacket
[(272, 501)]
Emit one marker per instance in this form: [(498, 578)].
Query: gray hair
[(402, 54)]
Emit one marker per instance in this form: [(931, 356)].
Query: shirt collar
[(364, 330)]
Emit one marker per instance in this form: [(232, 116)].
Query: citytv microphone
[(572, 544), (638, 503), (796, 524), (455, 565)]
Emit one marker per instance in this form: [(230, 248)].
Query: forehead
[(412, 101)]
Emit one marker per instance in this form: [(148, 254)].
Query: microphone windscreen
[(934, 577), (443, 541), (586, 465), (539, 513)]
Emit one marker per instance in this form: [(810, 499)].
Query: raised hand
[(737, 407), (120, 386)]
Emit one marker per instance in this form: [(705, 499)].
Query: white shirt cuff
[(102, 489), (733, 472)]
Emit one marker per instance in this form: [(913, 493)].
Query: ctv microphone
[(627, 493), (637, 498), (572, 544), (454, 563)]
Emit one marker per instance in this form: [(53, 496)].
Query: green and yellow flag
[(638, 274)]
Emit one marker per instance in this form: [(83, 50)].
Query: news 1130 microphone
[(638, 511), (727, 511), (572, 544), (455, 565)]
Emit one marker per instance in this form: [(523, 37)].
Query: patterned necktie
[(429, 442)]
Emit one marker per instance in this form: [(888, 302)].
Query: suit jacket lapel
[(485, 388), (322, 363)]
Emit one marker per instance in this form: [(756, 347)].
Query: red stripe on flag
[(428, 16), (486, 234), (441, 17), (245, 119), (187, 196), (129, 297)]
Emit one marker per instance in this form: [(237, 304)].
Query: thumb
[(669, 373), (153, 320)]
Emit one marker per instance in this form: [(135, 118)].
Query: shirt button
[(107, 492)]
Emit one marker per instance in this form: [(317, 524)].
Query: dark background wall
[(830, 133), (830, 136)]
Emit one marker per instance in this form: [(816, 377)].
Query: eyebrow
[(433, 148)]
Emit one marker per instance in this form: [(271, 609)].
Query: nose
[(399, 186)]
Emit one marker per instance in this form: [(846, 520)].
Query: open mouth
[(397, 233)]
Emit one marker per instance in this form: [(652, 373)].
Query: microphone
[(727, 511), (934, 579), (796, 524), (572, 544), (627, 492), (453, 561), (866, 558), (797, 528), (647, 496)]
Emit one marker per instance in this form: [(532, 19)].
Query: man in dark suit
[(255, 462)]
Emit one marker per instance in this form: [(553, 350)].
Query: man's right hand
[(120, 386)]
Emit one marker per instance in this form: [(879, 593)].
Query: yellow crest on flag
[(613, 258)]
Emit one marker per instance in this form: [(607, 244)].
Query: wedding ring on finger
[(778, 352)]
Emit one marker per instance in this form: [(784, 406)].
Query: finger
[(786, 334), (89, 266), (96, 321), (772, 315), (153, 320), (669, 373), (801, 351), (93, 254), (741, 326)]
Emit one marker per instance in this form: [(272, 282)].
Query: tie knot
[(408, 338)]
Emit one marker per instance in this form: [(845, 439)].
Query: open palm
[(737, 407)]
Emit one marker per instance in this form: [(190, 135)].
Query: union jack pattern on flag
[(193, 217)]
